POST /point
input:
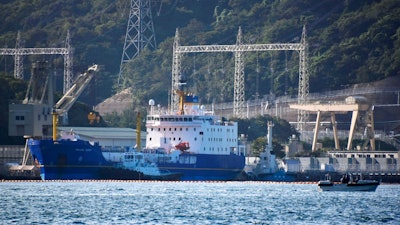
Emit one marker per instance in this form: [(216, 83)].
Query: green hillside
[(350, 42)]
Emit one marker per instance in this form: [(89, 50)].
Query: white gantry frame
[(239, 88), (18, 52)]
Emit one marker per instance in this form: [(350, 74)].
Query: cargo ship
[(67, 159), (64, 156), (74, 159), (192, 143)]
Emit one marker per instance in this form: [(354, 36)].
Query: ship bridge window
[(201, 133), (20, 117)]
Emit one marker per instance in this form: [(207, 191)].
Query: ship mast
[(181, 93), (138, 133)]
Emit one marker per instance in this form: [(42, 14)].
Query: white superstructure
[(202, 134)]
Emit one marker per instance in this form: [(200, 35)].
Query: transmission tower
[(18, 64), (176, 72), (238, 49), (238, 95), (18, 52), (304, 86), (68, 74), (139, 34)]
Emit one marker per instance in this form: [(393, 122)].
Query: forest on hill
[(349, 42)]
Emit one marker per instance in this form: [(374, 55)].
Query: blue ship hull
[(68, 160), (79, 160), (201, 167)]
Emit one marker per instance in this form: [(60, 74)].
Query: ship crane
[(70, 97)]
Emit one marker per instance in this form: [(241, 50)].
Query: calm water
[(192, 203)]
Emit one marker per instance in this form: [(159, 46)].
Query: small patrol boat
[(347, 183)]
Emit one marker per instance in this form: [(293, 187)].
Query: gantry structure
[(139, 35), (18, 52), (239, 80), (356, 105)]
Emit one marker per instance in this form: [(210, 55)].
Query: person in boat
[(345, 179)]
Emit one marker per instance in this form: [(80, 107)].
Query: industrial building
[(365, 162)]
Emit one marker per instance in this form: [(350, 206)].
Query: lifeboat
[(182, 146)]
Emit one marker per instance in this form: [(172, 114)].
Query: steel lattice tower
[(139, 34), (238, 95), (304, 86), (68, 64), (18, 52), (176, 72), (18, 64), (239, 86)]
